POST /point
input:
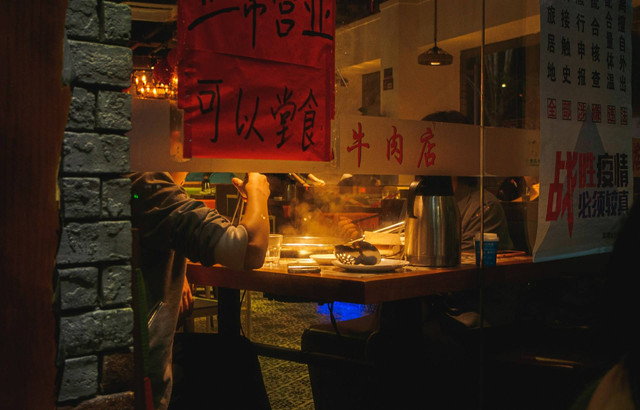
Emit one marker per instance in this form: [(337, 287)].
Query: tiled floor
[(280, 322)]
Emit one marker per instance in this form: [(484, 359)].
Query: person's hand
[(255, 186), (347, 229), (239, 184), (315, 180), (186, 302)]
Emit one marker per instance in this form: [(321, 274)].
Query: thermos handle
[(411, 198)]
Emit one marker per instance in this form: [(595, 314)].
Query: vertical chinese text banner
[(585, 125), (256, 78)]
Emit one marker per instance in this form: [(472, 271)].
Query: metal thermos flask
[(432, 228)]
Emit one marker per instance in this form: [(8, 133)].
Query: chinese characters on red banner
[(256, 78)]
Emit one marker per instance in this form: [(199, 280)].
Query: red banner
[(256, 79)]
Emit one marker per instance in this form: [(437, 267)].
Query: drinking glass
[(273, 250)]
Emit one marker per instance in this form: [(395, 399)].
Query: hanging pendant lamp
[(435, 56)]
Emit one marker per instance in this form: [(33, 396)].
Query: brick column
[(93, 270)]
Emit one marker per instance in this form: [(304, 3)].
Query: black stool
[(387, 363)]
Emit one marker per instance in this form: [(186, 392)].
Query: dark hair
[(447, 116)]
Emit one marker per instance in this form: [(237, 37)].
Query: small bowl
[(323, 258)]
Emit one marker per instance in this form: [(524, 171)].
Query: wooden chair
[(205, 305), (522, 221)]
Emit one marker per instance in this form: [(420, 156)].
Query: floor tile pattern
[(279, 321)]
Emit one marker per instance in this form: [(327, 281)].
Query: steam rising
[(319, 211)]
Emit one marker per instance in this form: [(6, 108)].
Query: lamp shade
[(435, 56)]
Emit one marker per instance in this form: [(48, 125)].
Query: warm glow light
[(147, 87), (504, 85)]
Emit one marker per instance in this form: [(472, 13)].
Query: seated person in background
[(500, 302), (467, 193), (174, 227), (511, 189), (518, 189), (463, 306)]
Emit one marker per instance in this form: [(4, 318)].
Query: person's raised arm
[(256, 217)]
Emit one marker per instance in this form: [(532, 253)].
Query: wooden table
[(334, 284), (398, 290)]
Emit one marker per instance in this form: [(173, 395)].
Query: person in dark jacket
[(467, 194), (173, 228)]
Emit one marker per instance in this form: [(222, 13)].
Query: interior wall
[(405, 28), (93, 273)]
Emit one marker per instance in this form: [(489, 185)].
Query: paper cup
[(490, 249)]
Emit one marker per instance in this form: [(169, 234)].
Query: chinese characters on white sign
[(585, 126)]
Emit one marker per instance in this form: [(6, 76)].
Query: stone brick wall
[(93, 269)]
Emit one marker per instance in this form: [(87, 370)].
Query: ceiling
[(153, 30)]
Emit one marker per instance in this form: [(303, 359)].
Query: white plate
[(385, 265), (323, 258)]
